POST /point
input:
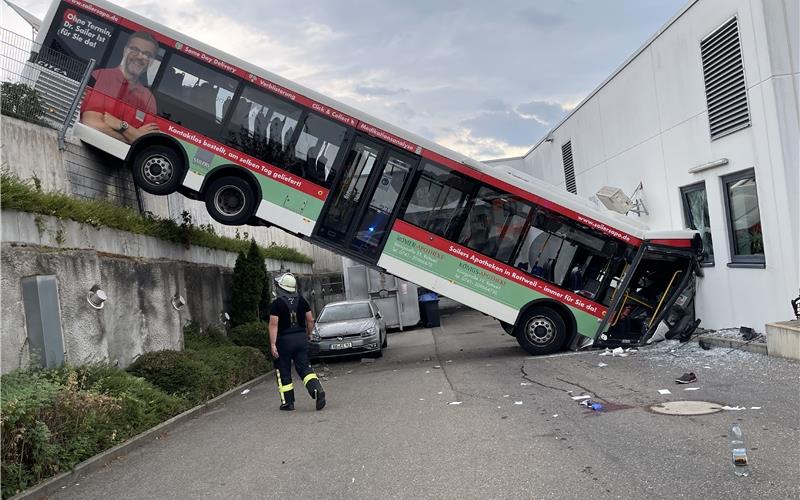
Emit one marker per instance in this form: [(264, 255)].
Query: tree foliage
[(249, 274)]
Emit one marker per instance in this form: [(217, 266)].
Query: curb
[(749, 346), (54, 484)]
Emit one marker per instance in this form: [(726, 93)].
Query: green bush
[(47, 427), (253, 334), (179, 373), (234, 365), (249, 274), (195, 338)]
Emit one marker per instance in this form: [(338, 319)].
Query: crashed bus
[(557, 271)]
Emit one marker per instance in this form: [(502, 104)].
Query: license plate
[(346, 345)]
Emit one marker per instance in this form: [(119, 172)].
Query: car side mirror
[(378, 315)]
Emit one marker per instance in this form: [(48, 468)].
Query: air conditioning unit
[(614, 199)]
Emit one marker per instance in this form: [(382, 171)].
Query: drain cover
[(686, 408)]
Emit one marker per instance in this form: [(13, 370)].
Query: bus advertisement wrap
[(487, 277)]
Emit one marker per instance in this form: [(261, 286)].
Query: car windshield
[(345, 312)]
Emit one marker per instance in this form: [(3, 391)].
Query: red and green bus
[(258, 149)]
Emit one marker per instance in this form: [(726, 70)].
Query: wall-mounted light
[(96, 297), (178, 301), (706, 166), (224, 318)]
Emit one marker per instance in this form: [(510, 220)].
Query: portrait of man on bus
[(119, 104)]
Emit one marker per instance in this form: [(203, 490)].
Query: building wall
[(649, 123), (32, 151)]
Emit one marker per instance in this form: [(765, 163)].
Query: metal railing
[(40, 85)]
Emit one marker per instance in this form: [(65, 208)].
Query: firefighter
[(290, 327)]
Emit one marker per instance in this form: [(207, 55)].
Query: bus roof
[(509, 176)]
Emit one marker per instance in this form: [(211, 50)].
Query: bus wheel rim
[(229, 201), (157, 170), (540, 330)]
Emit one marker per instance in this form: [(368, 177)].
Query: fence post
[(84, 81)]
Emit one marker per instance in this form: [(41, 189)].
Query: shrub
[(234, 365), (252, 334), (179, 373), (249, 274), (195, 338), (47, 428), (142, 404)]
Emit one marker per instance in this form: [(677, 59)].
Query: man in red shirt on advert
[(119, 105)]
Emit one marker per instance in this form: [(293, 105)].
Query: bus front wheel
[(541, 331), (158, 170), (230, 201)]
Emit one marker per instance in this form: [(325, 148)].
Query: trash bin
[(429, 309)]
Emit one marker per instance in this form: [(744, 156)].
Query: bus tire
[(508, 328), (158, 170), (230, 200), (541, 331)]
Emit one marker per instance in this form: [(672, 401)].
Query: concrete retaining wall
[(31, 151), (140, 275)]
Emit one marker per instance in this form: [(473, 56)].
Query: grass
[(27, 196)]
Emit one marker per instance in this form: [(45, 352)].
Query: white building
[(705, 115)]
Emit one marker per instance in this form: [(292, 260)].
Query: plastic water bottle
[(738, 451)]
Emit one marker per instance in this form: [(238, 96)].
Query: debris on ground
[(691, 389), (437, 367), (733, 408), (453, 403), (585, 396), (664, 391), (601, 365), (517, 402), (597, 406), (686, 378), (245, 391)]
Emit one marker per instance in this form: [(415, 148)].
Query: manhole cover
[(686, 408)]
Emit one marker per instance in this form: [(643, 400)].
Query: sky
[(486, 79)]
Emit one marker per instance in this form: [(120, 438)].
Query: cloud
[(546, 113), (507, 125), (379, 91)]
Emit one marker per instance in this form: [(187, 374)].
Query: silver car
[(347, 328)]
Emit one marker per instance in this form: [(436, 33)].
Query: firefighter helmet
[(287, 282)]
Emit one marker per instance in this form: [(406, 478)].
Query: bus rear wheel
[(541, 331), (158, 170), (230, 201)]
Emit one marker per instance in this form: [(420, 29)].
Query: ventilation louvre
[(723, 72), (569, 167)]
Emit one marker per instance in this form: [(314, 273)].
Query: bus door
[(364, 199), (653, 290)]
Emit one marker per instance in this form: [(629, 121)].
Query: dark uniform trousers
[(294, 347)]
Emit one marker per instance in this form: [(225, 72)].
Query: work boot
[(288, 406), (319, 395)]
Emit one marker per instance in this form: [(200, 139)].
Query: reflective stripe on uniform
[(310, 376), (278, 374), (286, 388)]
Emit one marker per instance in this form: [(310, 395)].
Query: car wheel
[(230, 201), (541, 331), (385, 341), (378, 353), (158, 170)]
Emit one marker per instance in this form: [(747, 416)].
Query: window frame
[(745, 261), (685, 190)]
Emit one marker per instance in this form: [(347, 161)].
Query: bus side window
[(316, 150), (437, 200), (261, 125)]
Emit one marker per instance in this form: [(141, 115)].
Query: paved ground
[(390, 430)]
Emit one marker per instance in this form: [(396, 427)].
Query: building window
[(695, 215), (744, 219)]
